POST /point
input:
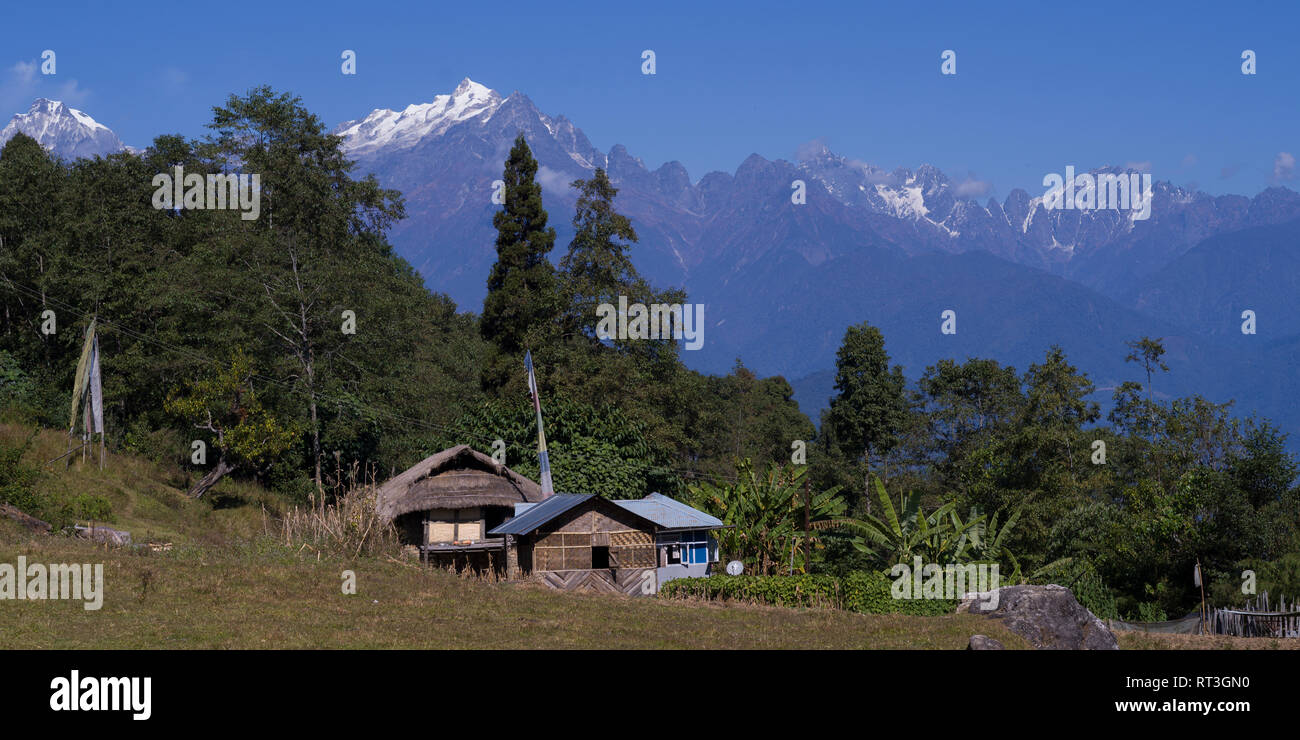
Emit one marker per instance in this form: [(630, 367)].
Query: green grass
[(148, 500)]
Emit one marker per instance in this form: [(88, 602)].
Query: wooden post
[(1200, 578)]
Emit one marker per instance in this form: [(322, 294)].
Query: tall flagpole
[(544, 462)]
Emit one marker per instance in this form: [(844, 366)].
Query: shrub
[(18, 487), (17, 479), (1083, 580), (867, 592)]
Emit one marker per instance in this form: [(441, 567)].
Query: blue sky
[(1038, 86)]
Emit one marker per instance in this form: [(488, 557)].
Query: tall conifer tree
[(521, 302)]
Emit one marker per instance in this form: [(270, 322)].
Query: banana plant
[(903, 533), (764, 513)]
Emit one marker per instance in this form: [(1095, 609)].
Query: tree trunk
[(866, 478), (211, 478), (315, 446)]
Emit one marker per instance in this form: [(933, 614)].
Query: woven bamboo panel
[(577, 540), (548, 558), (577, 558), (470, 530), (630, 538), (638, 556), (441, 531), (581, 523)]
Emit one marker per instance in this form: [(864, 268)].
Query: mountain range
[(782, 280)]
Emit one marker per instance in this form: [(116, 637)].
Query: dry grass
[(348, 526)]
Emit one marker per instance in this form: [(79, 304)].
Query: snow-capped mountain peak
[(394, 130), (63, 130)]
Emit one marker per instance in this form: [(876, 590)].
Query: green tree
[(1147, 352), (593, 449), (598, 268), (870, 406), (900, 534), (225, 405), (522, 299)]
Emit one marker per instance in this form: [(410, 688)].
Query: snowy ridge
[(65, 131), (393, 130)]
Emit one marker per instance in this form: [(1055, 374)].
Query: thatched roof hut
[(456, 478)]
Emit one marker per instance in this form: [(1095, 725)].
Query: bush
[(1083, 580), (17, 479), (867, 592), (18, 487), (163, 447)]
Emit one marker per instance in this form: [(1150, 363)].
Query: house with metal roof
[(585, 542), (460, 508)]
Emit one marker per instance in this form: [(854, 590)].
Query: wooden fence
[(1259, 618)]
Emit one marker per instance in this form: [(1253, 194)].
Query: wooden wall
[(565, 544)]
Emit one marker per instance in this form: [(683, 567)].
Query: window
[(599, 557), (691, 547)]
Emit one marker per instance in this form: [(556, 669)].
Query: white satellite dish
[(735, 568)]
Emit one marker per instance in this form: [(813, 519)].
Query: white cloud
[(23, 82), (972, 187), (552, 181), (1283, 167), (811, 150)]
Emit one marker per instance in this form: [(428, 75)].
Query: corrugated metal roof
[(670, 513), (663, 511), (541, 513)]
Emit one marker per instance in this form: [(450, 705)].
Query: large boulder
[(983, 642), (1049, 617), (106, 535)]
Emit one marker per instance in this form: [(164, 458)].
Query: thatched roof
[(454, 479)]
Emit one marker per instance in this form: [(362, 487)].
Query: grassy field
[(228, 582), (269, 597)]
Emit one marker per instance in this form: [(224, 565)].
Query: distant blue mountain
[(781, 281)]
